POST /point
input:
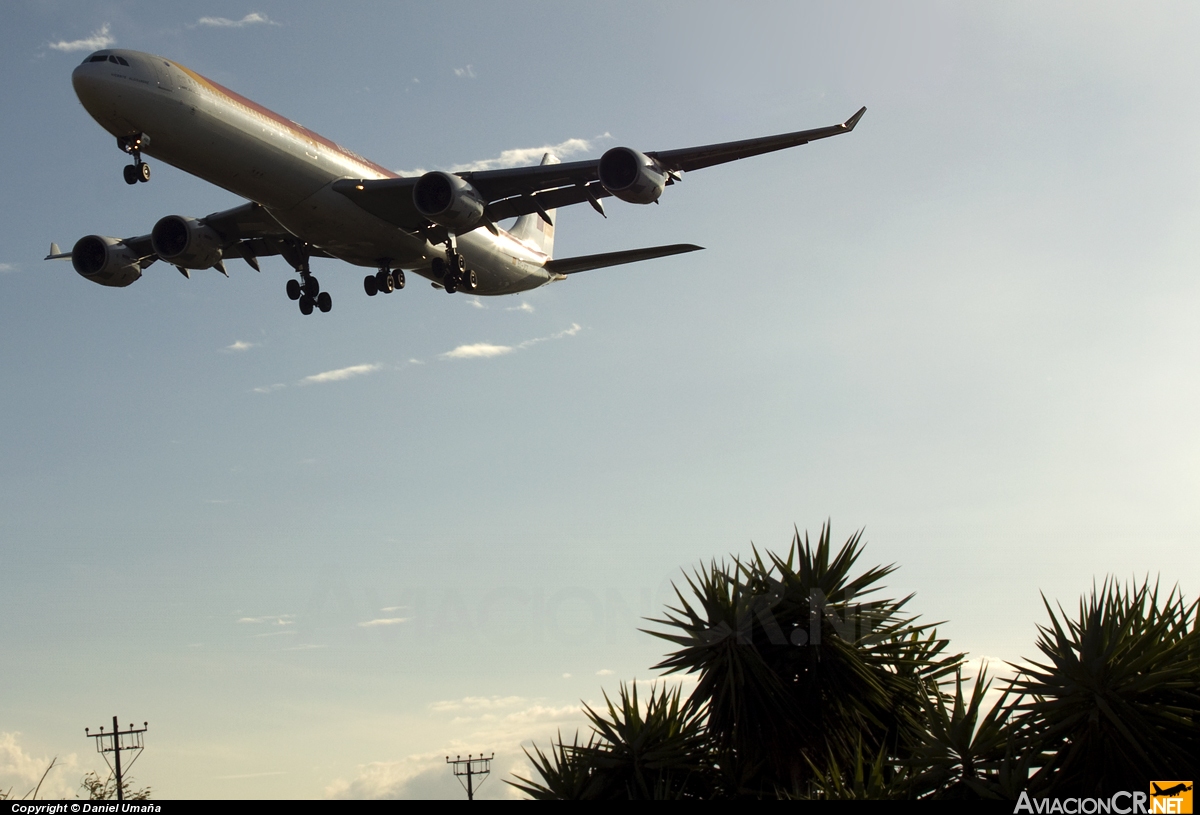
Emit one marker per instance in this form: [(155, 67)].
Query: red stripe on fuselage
[(294, 128)]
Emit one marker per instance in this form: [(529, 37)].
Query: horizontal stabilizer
[(585, 263)]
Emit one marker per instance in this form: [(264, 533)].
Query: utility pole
[(128, 740), (471, 767)]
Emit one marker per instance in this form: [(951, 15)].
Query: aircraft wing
[(524, 190), (585, 263), (247, 231)]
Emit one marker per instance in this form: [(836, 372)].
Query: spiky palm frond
[(635, 752), (796, 660), (566, 773), (960, 755), (1117, 698)]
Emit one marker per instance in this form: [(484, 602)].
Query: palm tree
[(799, 664), (1116, 699), (659, 752)]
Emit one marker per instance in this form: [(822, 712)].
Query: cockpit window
[(99, 58), (123, 61), (113, 59)]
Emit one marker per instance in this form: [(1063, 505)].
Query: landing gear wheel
[(450, 283), (324, 302), (384, 282), (459, 263), (143, 171), (293, 289), (471, 280), (306, 305), (312, 286), (398, 274), (370, 286), (131, 174), (438, 267)]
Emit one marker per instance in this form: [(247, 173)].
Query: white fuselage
[(207, 130)]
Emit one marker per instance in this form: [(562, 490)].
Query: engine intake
[(104, 260), (186, 242), (449, 201), (631, 176)]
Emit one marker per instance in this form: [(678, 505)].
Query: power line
[(129, 741), (470, 767)]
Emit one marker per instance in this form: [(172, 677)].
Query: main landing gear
[(139, 170), (385, 281), (308, 289), (454, 272)]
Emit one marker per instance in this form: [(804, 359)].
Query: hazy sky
[(969, 327)]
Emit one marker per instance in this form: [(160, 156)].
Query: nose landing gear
[(139, 170)]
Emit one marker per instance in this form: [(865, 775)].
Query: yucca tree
[(1116, 698), (798, 662), (961, 755), (656, 751)]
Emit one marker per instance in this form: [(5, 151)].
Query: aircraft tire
[(384, 281), (143, 171), (306, 305), (450, 284), (324, 302), (131, 174), (312, 287), (293, 289), (472, 280), (370, 286), (399, 275)]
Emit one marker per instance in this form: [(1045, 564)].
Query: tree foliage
[(811, 685)]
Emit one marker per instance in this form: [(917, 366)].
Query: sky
[(318, 555)]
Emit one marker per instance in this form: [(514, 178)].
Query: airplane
[(1170, 792), (309, 197)]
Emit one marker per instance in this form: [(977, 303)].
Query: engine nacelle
[(631, 176), (186, 242), (447, 200), (104, 260)]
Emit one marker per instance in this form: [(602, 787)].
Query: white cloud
[(340, 374), (383, 621), (393, 608), (273, 619), (468, 72), (476, 302), (253, 18), (270, 388), (21, 772), (477, 703), (479, 350), (240, 345), (503, 724), (7, 267), (484, 350), (98, 39), (526, 307), (570, 332), (522, 156), (566, 676), (604, 672)]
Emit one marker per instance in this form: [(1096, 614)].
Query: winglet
[(853, 120)]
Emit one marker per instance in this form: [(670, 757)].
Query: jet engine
[(631, 176), (104, 260), (186, 242), (449, 201)]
